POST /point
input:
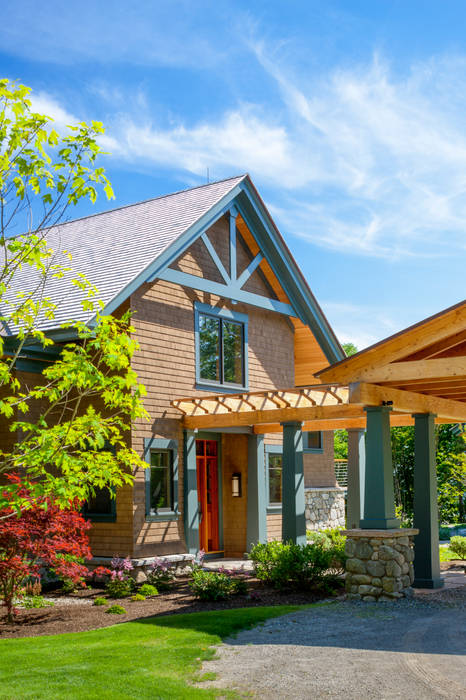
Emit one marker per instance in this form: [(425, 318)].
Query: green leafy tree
[(69, 429), (350, 349)]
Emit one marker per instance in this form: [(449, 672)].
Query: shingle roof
[(114, 247)]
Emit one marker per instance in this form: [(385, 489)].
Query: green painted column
[(356, 477), (426, 543), (257, 514), (293, 507), (379, 499), (191, 501)]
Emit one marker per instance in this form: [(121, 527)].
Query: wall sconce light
[(236, 485)]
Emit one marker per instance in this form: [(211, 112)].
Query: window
[(161, 478), (312, 441), (101, 507), (273, 476), (221, 347)]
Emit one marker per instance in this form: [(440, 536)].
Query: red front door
[(207, 489)]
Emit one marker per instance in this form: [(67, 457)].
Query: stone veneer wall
[(380, 564), (325, 507)]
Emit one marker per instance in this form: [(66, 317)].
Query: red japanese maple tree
[(41, 535)]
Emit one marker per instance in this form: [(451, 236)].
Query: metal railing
[(341, 472)]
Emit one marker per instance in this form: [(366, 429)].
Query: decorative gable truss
[(233, 284)]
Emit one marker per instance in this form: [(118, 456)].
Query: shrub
[(458, 546), (333, 541), (120, 585), (118, 588), (43, 531), (137, 597), (148, 590), (288, 565), (100, 601), (116, 610), (160, 574), (210, 585), (36, 601), (239, 586)]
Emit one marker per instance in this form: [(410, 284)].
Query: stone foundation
[(325, 507), (180, 563), (379, 564)]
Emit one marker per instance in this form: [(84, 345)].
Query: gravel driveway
[(412, 649)]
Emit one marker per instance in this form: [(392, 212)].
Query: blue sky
[(349, 116)]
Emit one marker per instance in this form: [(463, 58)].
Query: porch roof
[(419, 370)]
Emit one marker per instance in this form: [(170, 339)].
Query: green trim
[(172, 446), (379, 499), (226, 314), (191, 500), (226, 291), (276, 450), (426, 543), (257, 494), (293, 502)]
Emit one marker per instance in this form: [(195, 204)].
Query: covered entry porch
[(417, 377)]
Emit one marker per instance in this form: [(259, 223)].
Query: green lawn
[(151, 658)]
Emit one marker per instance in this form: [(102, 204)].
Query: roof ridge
[(145, 201)]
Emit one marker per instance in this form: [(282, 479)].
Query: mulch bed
[(74, 617), (77, 617)]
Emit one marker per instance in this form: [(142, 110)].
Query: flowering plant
[(160, 574), (121, 584)]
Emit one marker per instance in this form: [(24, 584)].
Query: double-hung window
[(101, 507), (161, 478), (273, 476), (221, 347), (312, 441)]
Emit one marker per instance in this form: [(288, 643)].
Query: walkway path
[(413, 649)]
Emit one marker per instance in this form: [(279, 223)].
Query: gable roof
[(120, 249)]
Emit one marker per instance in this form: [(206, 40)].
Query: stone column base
[(379, 564)]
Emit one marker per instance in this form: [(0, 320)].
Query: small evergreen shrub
[(458, 546), (288, 565), (210, 585), (100, 601), (119, 588), (148, 590), (137, 596), (239, 586), (116, 610)]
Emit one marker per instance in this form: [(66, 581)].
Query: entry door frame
[(218, 439)]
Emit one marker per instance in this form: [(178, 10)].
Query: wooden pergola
[(415, 377)]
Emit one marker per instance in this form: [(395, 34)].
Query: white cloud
[(360, 161), (358, 324)]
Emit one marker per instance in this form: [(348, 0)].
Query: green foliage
[(288, 565), (100, 601), (35, 601), (350, 349), (71, 448), (137, 597), (446, 532), (119, 588), (458, 546), (210, 585), (116, 610), (451, 472), (167, 653), (148, 590), (340, 441), (334, 541)]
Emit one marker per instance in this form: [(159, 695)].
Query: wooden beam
[(415, 369), (398, 346), (226, 420), (342, 424), (406, 401), (438, 348)]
